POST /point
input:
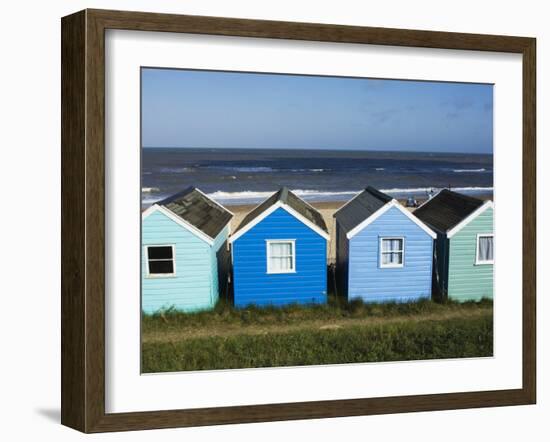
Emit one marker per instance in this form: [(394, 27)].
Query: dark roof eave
[(198, 210), (446, 210), (285, 197), (361, 207)]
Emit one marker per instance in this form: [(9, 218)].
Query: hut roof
[(197, 209), (358, 209), (285, 196), (447, 209)]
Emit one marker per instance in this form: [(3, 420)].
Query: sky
[(213, 109)]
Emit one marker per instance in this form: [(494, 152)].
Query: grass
[(339, 332), (455, 338), (225, 314)]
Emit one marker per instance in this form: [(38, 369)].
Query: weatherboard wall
[(252, 283), (192, 287), (468, 281), (368, 281)]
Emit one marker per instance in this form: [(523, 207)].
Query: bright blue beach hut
[(383, 252), (185, 257), (279, 254)]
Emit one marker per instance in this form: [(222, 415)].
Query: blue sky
[(184, 108)]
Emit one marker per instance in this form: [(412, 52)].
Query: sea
[(248, 176)]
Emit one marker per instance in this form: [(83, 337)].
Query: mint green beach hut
[(185, 258), (464, 248)]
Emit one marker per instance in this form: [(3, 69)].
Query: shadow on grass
[(335, 309)]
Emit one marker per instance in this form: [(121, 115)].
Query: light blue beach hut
[(383, 252), (280, 254), (185, 257)]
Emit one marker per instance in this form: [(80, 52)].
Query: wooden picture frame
[(83, 220)]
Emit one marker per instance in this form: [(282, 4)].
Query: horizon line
[(317, 148)]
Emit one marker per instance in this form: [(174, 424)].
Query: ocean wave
[(469, 170), (252, 169), (150, 189), (311, 193), (305, 170), (380, 168), (249, 196), (435, 189), (176, 169), (260, 169), (245, 169)]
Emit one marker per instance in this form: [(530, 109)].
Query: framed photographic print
[(270, 220)]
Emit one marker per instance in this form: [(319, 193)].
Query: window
[(391, 252), (160, 261), (484, 248), (281, 256)]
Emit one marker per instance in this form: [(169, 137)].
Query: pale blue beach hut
[(185, 257), (383, 252)]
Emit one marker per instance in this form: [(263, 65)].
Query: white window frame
[(160, 275), (478, 261), (380, 253), (268, 242)]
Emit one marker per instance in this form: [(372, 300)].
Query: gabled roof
[(447, 210), (361, 207), (368, 206), (196, 209), (289, 201)]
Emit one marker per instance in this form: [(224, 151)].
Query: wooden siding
[(468, 281), (342, 262), (221, 239), (252, 283), (192, 287), (371, 283)]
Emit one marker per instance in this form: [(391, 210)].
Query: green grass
[(225, 314), (336, 333), (409, 340)]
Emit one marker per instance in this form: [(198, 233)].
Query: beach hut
[(463, 258), (279, 254), (383, 252), (185, 257)]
